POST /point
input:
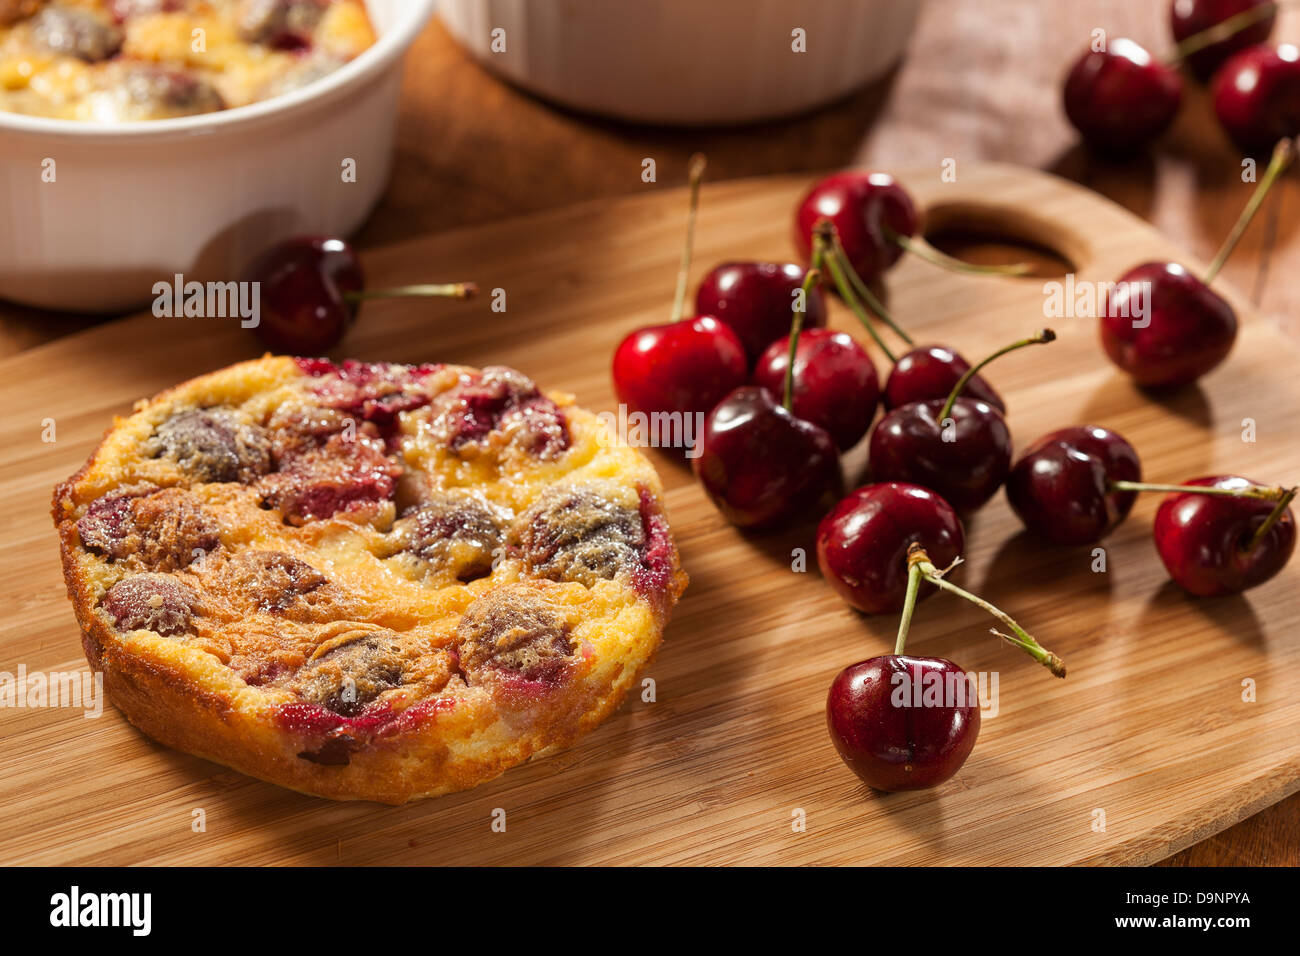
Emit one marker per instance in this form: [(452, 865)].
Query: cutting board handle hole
[(989, 234)]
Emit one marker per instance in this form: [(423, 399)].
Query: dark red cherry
[(1164, 326), (686, 366), (862, 542), (890, 733), (932, 371), (1209, 544), (1189, 17), (865, 208), (1061, 488), (835, 384), (759, 463), (303, 284), (1257, 96), (964, 457), (756, 299), (1121, 98)]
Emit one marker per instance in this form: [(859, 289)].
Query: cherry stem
[(1223, 30), (810, 279), (1258, 492), (696, 174), (1273, 517), (1282, 154), (841, 283), (909, 603), (450, 290), (859, 286), (1041, 337), (924, 250), (918, 559)]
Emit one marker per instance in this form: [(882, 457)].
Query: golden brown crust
[(446, 696)]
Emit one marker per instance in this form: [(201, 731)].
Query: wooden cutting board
[(1147, 747)]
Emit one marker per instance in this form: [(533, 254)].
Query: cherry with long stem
[(1041, 337), (825, 230), (695, 177), (919, 566), (810, 280), (1258, 492), (1283, 153), (687, 364), (835, 268), (1223, 30), (1273, 517), (446, 290), (923, 250)]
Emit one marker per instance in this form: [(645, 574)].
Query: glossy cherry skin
[(967, 469), (862, 543), (302, 282), (1257, 96), (835, 384), (757, 300), (1122, 98), (886, 730), (760, 464), (1203, 539), (932, 371), (1187, 331), (686, 366), (1061, 486), (864, 207), (1188, 17)]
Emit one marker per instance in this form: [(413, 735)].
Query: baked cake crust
[(366, 581)]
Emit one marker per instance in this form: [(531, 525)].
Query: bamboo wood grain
[(1150, 727)]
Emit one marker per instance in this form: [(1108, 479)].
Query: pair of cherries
[(1121, 97), (1216, 535)]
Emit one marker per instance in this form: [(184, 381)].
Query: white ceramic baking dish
[(133, 204), (690, 62)]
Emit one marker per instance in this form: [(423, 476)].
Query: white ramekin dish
[(686, 62), (134, 204)]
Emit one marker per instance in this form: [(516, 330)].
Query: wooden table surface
[(981, 82)]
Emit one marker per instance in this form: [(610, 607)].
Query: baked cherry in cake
[(366, 580), (125, 61)]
